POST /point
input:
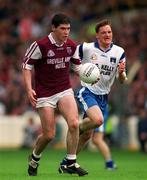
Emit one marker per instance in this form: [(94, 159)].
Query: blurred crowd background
[(23, 21)]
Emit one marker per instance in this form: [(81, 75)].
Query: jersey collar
[(53, 40), (108, 49)]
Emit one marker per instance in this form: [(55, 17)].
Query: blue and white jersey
[(107, 62)]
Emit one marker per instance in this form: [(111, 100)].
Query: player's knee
[(73, 124), (97, 121), (49, 136), (100, 121)]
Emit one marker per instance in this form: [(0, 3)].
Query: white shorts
[(53, 100)]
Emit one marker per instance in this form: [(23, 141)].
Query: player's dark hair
[(60, 18), (103, 22)]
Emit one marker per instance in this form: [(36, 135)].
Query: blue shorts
[(87, 99)]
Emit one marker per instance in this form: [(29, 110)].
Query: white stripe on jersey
[(27, 66), (30, 49), (33, 52)]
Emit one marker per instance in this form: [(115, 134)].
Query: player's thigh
[(94, 113), (47, 118), (68, 107)]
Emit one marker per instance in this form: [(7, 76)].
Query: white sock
[(35, 155), (71, 156)]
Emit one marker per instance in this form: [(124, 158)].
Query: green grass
[(131, 166)]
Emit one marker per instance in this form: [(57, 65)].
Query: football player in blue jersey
[(93, 98)]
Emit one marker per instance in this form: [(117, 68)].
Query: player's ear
[(97, 36), (53, 28)]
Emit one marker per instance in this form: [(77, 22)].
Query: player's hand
[(121, 67), (122, 77), (32, 97)]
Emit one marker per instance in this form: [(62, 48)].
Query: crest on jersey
[(69, 50), (112, 60), (50, 53), (93, 57)]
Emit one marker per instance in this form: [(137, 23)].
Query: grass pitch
[(131, 165)]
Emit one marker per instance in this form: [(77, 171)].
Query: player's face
[(61, 33), (104, 36)]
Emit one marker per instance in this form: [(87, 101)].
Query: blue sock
[(109, 164)]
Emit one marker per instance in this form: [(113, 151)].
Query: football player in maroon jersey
[(50, 58)]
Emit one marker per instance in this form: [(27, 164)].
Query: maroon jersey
[(51, 65)]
